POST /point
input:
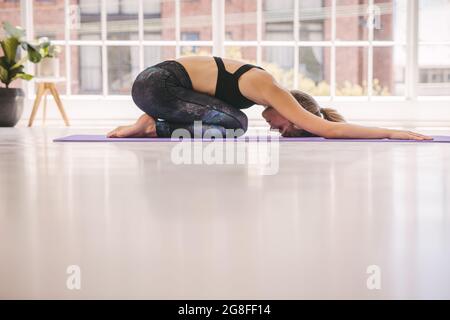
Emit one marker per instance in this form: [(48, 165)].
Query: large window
[(328, 48), (434, 47), (107, 42)]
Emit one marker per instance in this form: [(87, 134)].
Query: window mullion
[(296, 39), (370, 25), (412, 48), (258, 31), (177, 28), (333, 51), (68, 56), (104, 49), (218, 27), (141, 33), (26, 10)]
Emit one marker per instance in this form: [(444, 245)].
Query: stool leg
[(37, 101), (44, 109), (58, 101)]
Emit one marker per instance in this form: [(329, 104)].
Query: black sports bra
[(227, 88)]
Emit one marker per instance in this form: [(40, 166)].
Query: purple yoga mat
[(101, 138)]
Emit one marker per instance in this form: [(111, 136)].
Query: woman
[(175, 93)]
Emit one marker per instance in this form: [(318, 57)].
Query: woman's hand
[(407, 135)]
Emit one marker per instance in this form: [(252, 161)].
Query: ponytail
[(331, 115)]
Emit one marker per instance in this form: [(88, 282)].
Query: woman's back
[(203, 72)]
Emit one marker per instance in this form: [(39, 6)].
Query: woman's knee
[(231, 121), (240, 122)]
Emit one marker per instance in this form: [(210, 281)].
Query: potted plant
[(12, 99), (49, 65)]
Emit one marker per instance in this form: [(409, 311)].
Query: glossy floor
[(306, 221)]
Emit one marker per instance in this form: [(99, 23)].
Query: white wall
[(398, 113)]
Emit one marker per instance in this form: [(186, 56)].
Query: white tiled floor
[(140, 226)]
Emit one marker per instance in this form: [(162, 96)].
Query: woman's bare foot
[(145, 127)]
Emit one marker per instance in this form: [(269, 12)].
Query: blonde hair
[(310, 104)]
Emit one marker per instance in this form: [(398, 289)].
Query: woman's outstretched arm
[(281, 99)]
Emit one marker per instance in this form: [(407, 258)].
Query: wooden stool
[(44, 85)]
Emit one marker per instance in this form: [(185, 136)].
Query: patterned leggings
[(164, 91)]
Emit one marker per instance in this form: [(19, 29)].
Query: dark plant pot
[(11, 106)]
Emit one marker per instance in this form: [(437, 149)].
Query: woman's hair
[(308, 103)]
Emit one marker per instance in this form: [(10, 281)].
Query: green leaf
[(9, 46), (33, 52), (4, 63), (44, 52), (34, 55), (3, 75), (16, 32), (24, 76), (13, 72)]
